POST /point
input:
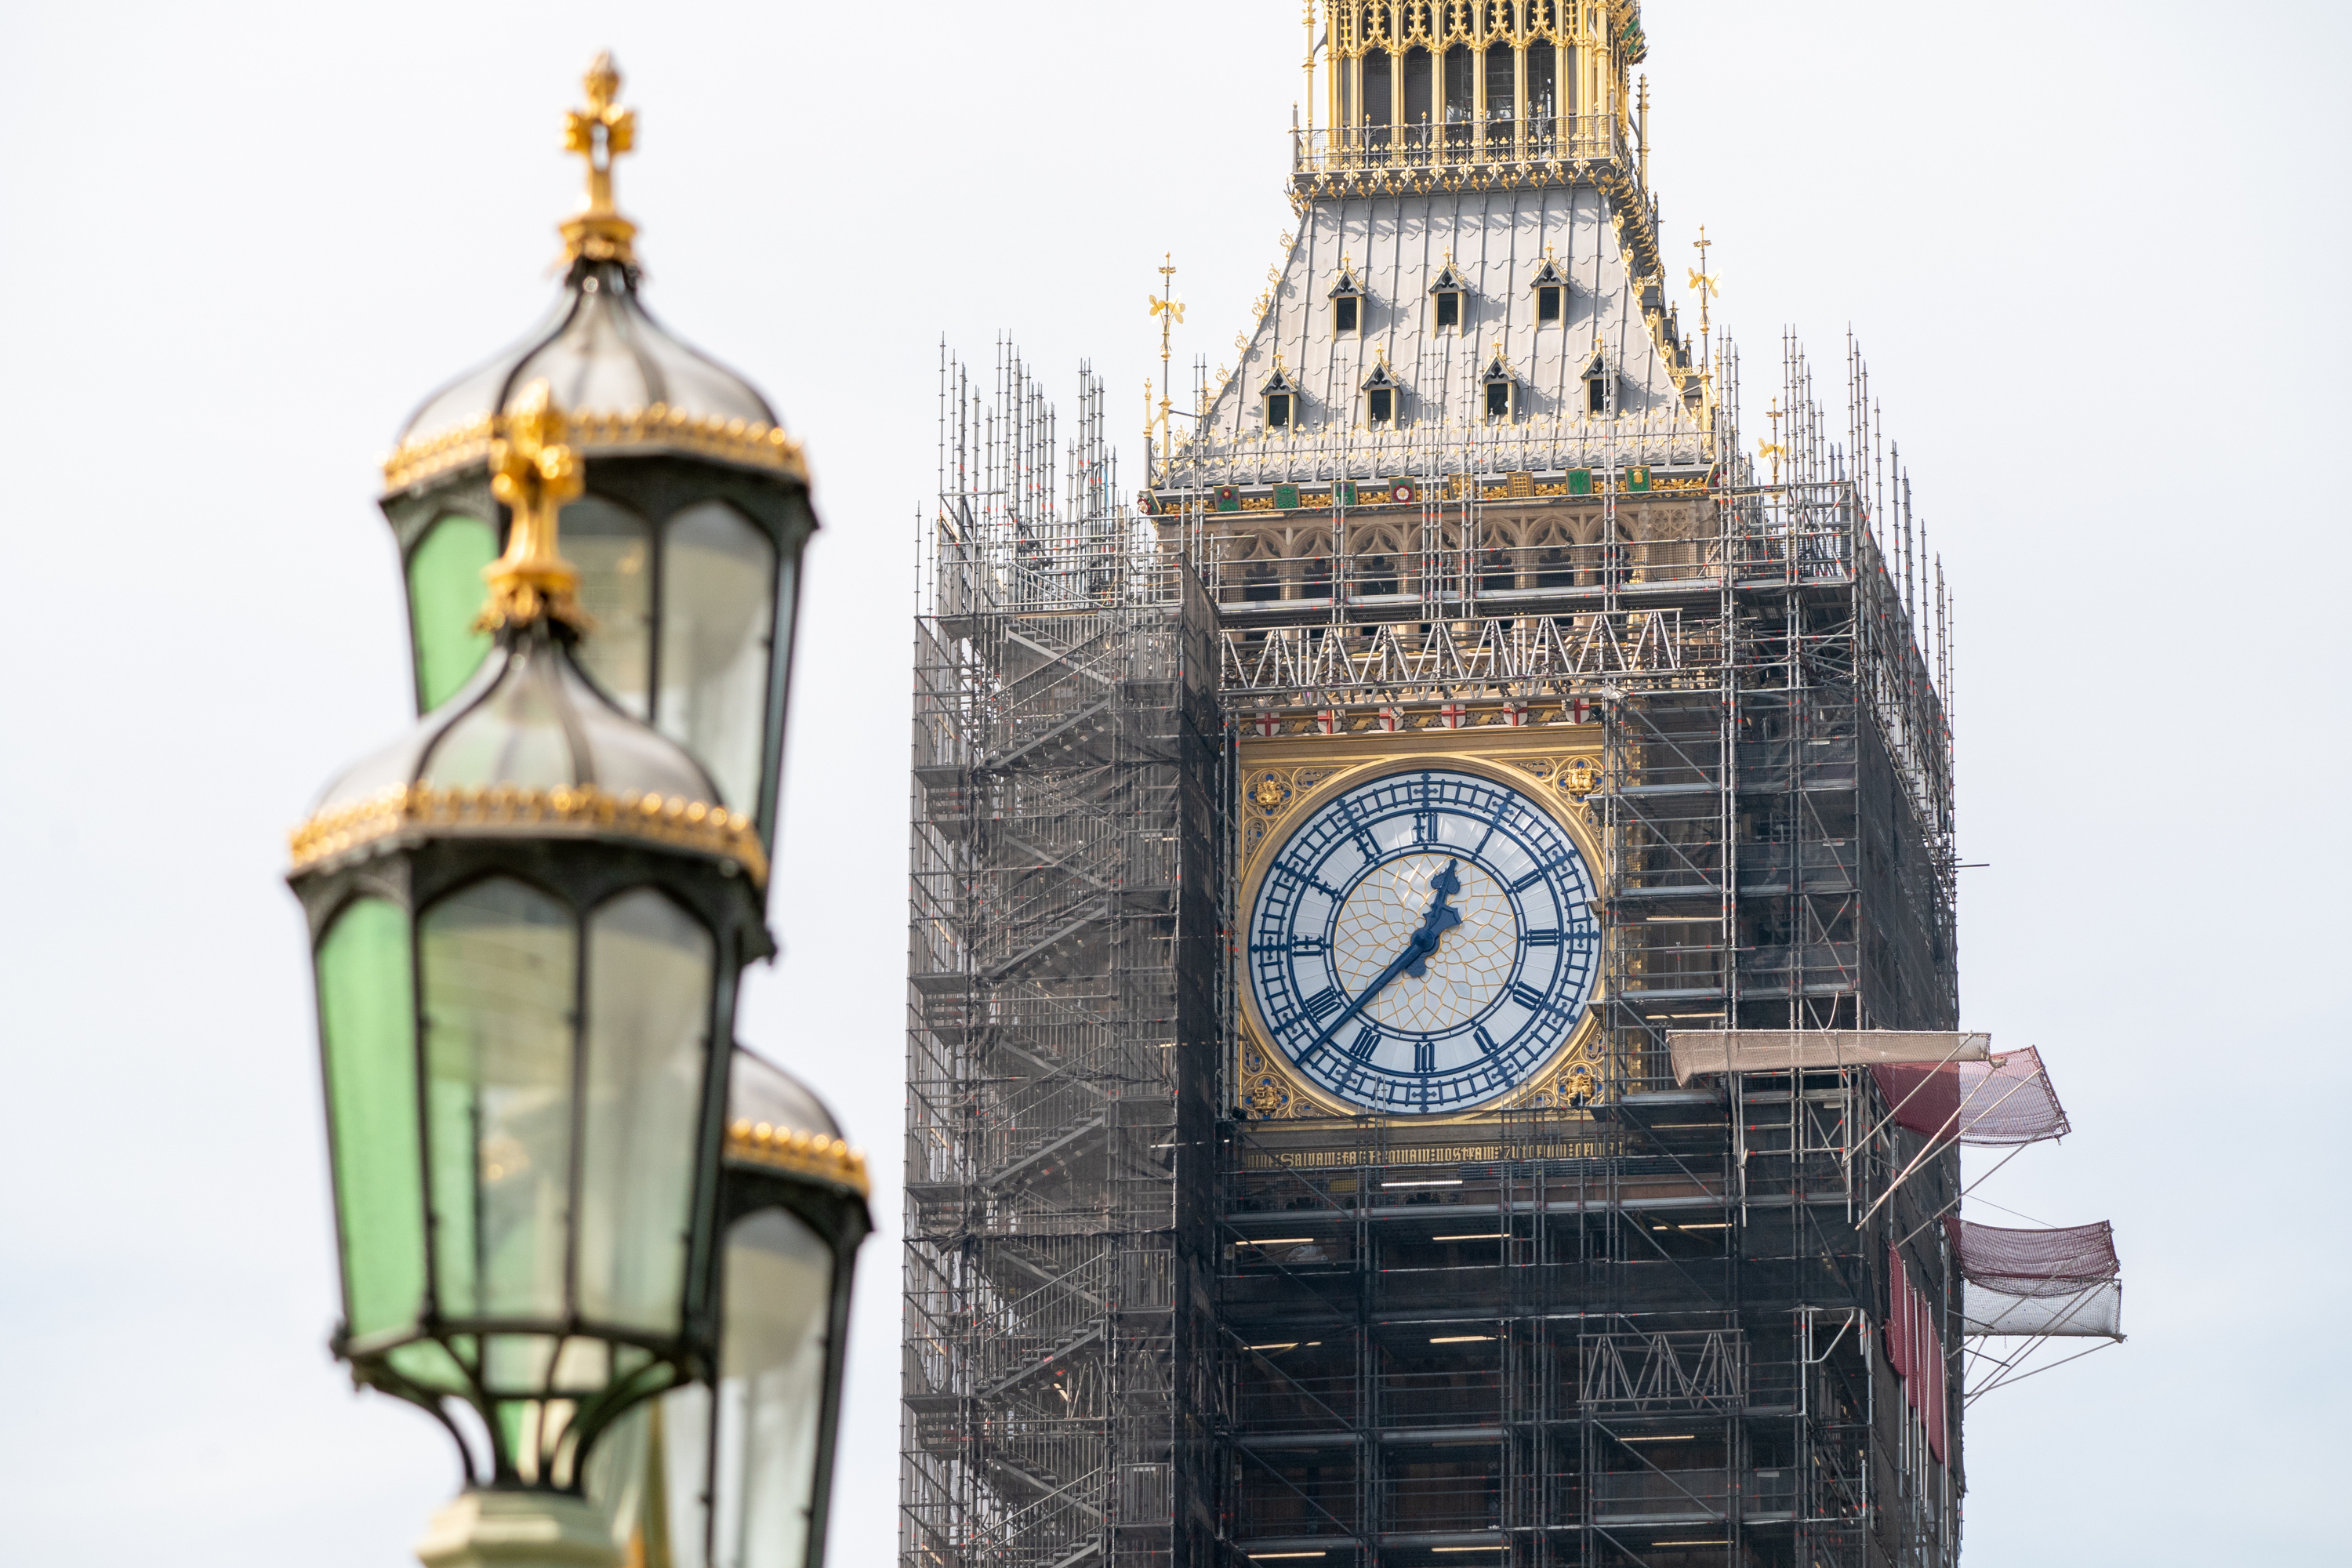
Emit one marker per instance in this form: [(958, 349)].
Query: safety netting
[(2032, 1283), (2005, 1099), (1702, 1053)]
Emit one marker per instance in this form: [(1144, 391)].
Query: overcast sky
[(2089, 249)]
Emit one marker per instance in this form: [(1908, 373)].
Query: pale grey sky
[(2087, 247)]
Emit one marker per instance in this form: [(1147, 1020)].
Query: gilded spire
[(534, 471), (598, 134)]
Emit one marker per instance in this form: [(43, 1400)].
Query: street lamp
[(688, 536), (529, 917), (741, 1481)]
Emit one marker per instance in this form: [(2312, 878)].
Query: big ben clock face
[(1422, 943)]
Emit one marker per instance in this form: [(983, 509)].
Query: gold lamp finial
[(534, 471), (598, 134)]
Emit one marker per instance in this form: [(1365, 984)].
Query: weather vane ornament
[(1170, 311), (1774, 449), (598, 134), (534, 471)]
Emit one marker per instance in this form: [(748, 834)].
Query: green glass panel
[(613, 547), (499, 962), (719, 609), (426, 1362), (369, 1024), (648, 1042), (445, 598)]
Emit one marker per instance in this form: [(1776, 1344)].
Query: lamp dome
[(528, 749)]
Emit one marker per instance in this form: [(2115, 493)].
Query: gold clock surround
[(1283, 780)]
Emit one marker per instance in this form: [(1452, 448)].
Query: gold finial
[(1772, 448), (534, 470), (600, 133), (1170, 311), (1708, 284)]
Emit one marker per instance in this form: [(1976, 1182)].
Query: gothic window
[(1346, 303), (1598, 383), (1378, 87), (1461, 74), (1446, 296), (1281, 399), (1543, 93), (1501, 74), (1381, 392), (1551, 293), (1501, 389), (1416, 89)]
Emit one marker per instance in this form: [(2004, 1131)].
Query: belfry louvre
[(1196, 1275)]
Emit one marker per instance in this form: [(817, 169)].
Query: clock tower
[(1321, 858)]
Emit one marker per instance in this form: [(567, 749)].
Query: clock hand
[(1441, 917)]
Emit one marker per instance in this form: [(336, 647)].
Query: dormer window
[(1551, 293), (1446, 296), (1501, 389), (1380, 398), (1346, 303), (1600, 382), (1281, 399)]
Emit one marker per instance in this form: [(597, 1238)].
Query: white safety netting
[(1700, 1053), (2033, 1283)]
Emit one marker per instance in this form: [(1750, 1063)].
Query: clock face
[(1423, 942)]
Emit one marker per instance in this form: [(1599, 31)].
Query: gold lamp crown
[(600, 133), (534, 470)]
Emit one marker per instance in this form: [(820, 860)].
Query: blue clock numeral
[(1528, 995), (1530, 879), (1367, 1041), (1546, 938), (1322, 1004)]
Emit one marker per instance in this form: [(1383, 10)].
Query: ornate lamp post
[(688, 536), (561, 1191)]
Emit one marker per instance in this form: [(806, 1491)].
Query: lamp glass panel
[(499, 970), (771, 1390), (368, 1022), (613, 547), (648, 1050), (444, 597), (650, 1474), (718, 621)]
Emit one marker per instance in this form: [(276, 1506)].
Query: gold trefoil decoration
[(534, 471), (600, 133)]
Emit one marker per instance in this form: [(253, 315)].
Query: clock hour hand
[(1440, 919)]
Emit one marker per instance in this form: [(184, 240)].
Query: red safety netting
[(2036, 1262), (2036, 1282), (1915, 1347), (2006, 1099)]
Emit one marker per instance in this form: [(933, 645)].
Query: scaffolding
[(1143, 1323), (1061, 1014)]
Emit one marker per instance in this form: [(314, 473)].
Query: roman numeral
[(1323, 1004), (1295, 947), (1527, 994), (1546, 938), (1424, 1057), (1367, 1041), (1530, 881)]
